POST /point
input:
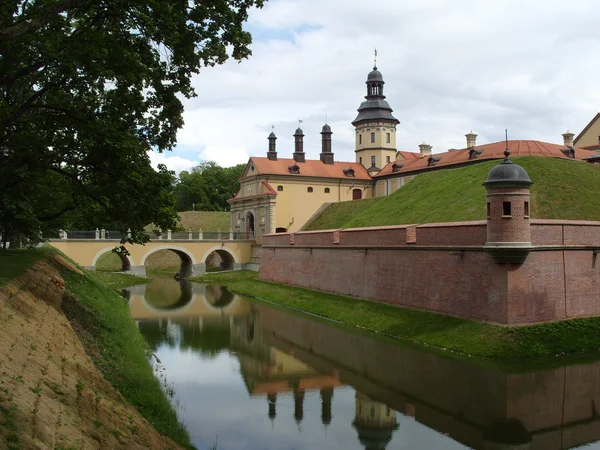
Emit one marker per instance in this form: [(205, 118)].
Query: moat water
[(246, 376)]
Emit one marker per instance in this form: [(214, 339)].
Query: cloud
[(176, 163), (450, 67)]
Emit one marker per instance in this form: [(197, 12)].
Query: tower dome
[(375, 75)]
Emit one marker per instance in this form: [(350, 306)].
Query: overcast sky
[(450, 66)]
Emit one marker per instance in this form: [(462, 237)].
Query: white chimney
[(471, 139), (568, 138), (425, 149)]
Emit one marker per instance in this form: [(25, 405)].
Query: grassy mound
[(563, 189)]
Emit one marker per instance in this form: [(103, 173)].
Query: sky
[(449, 66)]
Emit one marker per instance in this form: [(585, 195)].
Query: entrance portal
[(250, 223), (356, 194)]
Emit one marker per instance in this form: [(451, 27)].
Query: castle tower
[(375, 127), (374, 422), (508, 210)]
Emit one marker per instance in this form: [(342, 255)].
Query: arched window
[(309, 189), (327, 190), (280, 188)]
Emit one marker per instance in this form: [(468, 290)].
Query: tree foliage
[(207, 187), (87, 88)]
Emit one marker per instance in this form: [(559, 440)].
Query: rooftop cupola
[(326, 154), (299, 145), (272, 153), (375, 107), (568, 138)]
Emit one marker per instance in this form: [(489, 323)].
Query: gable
[(590, 134)]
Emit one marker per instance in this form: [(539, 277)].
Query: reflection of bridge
[(235, 253), (200, 301)]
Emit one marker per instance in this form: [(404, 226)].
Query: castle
[(279, 195)]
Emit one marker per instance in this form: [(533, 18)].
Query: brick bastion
[(508, 269)]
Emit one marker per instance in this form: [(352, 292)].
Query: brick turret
[(508, 211)]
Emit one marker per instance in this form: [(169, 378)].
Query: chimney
[(471, 139), (299, 146), (568, 138), (326, 154), (425, 149), (272, 153)]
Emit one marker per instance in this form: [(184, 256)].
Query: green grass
[(504, 345), (563, 189), (118, 280), (14, 262), (102, 321)]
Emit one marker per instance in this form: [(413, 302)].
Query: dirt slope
[(52, 396)]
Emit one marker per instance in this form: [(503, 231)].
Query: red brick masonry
[(445, 268)]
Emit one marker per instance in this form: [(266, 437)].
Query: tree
[(207, 187), (87, 88)]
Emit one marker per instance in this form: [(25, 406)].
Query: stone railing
[(102, 234)]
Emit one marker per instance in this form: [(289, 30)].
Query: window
[(506, 209), (526, 209), (309, 189), (372, 138), (387, 159), (327, 190), (360, 159), (360, 138), (280, 188), (372, 160), (387, 138), (489, 210)]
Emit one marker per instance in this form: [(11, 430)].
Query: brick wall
[(460, 280)]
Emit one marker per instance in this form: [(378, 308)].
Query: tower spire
[(375, 60)]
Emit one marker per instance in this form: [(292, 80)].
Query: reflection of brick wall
[(455, 275)]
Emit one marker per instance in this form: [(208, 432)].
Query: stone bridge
[(235, 250)]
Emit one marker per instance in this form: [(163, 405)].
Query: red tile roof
[(310, 168), (409, 155), (488, 152)]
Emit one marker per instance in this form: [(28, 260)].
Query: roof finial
[(299, 122), (507, 151), (375, 60), (272, 127), (325, 118)]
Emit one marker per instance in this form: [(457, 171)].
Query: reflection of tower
[(272, 400), (374, 422), (298, 405), (326, 396)]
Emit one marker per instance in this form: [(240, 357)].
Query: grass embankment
[(563, 189), (102, 321), (14, 262), (461, 336), (167, 262)]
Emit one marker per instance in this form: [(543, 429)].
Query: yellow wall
[(380, 148), (295, 205), (591, 136)]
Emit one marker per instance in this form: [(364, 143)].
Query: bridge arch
[(187, 258), (126, 261), (228, 256)]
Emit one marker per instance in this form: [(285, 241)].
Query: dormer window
[(294, 169), (396, 167), (569, 152), (433, 160), (474, 153), (349, 172)]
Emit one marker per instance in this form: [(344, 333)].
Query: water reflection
[(260, 378)]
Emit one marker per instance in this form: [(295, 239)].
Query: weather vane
[(507, 151), (375, 59)]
